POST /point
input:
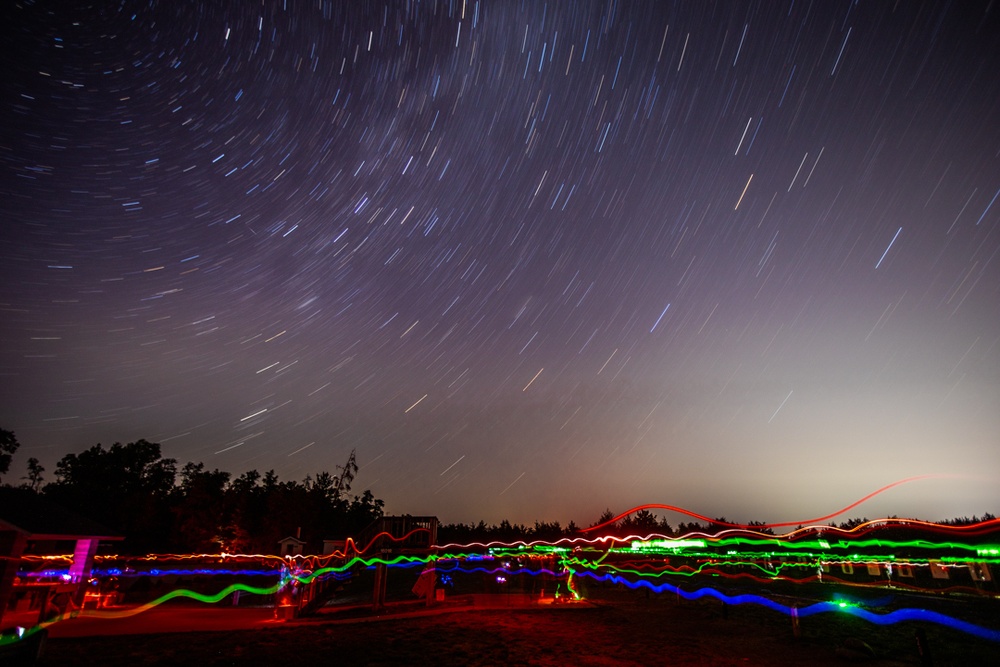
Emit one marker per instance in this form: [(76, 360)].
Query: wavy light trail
[(897, 616), (785, 524), (798, 556)]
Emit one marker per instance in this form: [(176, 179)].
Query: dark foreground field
[(619, 628)]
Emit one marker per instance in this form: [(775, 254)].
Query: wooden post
[(381, 577)]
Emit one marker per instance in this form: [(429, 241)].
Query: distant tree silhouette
[(34, 476), (362, 511), (134, 490), (252, 512), (126, 487), (760, 527), (460, 533), (692, 527), (342, 482), (641, 523), (200, 509), (8, 445), (549, 532), (508, 532), (606, 516), (967, 521), (505, 531), (718, 525), (246, 503)]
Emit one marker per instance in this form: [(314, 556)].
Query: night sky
[(532, 260)]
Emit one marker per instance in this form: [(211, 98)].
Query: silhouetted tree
[(641, 522), (508, 532), (346, 476), (133, 490), (361, 512), (126, 487), (200, 511), (718, 525), (8, 445), (693, 527), (34, 476), (611, 528), (760, 527), (548, 532)]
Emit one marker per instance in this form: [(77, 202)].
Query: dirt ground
[(614, 628)]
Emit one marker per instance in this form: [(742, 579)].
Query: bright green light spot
[(645, 545)]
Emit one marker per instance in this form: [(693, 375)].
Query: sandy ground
[(616, 627)]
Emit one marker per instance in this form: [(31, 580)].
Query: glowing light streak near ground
[(569, 568), (891, 553), (897, 616)]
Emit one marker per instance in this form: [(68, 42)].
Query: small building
[(333, 546), (384, 538), (290, 546), (32, 524), (406, 534)]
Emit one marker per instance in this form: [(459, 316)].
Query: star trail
[(531, 260)]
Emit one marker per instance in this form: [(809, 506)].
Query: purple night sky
[(531, 259)]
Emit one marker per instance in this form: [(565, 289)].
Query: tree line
[(644, 522), (136, 492), (133, 490)]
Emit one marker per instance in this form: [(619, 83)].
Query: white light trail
[(887, 247)]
